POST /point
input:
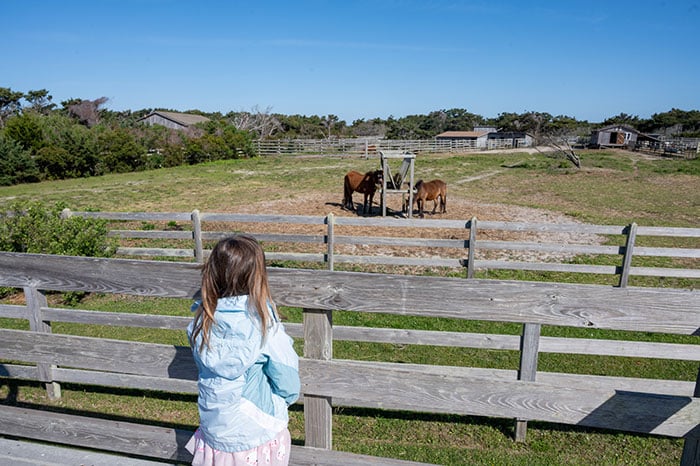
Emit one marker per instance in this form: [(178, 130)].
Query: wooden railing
[(371, 146), (649, 406), (458, 246)]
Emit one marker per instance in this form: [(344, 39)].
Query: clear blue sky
[(359, 59)]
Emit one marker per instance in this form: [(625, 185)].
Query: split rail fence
[(372, 146), (631, 404), (415, 242)]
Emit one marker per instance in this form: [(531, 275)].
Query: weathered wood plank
[(13, 311), (590, 346), (155, 252), (149, 441), (602, 408), (101, 434), (270, 237), (150, 234), (129, 357), (262, 218), (143, 216), (65, 273), (116, 318), (590, 306)]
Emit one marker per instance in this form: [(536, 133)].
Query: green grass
[(612, 188)]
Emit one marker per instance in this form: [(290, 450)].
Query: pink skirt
[(273, 453)]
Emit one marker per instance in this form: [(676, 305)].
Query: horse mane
[(418, 183)]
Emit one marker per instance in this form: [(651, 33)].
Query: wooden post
[(629, 251), (529, 348), (384, 170), (35, 301), (330, 222), (197, 236), (472, 247), (691, 447), (318, 411), (410, 190)]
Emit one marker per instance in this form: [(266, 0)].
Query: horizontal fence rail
[(659, 407), (372, 146), (460, 247)]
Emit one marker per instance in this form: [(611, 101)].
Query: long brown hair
[(235, 267)]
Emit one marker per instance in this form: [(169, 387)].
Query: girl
[(248, 370)]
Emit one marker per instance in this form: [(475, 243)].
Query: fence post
[(330, 222), (627, 258), (35, 301), (529, 348), (197, 236), (691, 447), (318, 411), (472, 246)]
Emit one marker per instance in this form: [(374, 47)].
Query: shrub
[(34, 228), (16, 163)]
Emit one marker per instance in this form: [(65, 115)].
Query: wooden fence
[(660, 407), (372, 146), (470, 245)]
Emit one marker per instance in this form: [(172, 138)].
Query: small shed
[(621, 136), (475, 139), (515, 138), (173, 120)]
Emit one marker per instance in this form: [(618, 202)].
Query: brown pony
[(365, 184), (430, 191)]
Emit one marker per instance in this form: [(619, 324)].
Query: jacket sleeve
[(282, 366)]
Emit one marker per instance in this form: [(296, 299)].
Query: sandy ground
[(317, 204)]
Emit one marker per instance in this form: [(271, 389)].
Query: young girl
[(248, 370)]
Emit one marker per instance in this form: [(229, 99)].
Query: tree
[(120, 152), (261, 123), (16, 163), (26, 130), (87, 112), (40, 101), (328, 122), (623, 119), (9, 103)]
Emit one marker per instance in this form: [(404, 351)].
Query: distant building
[(514, 138), (621, 136), (173, 120), (475, 139), (486, 138)]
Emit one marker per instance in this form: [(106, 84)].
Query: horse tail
[(444, 197), (347, 193)]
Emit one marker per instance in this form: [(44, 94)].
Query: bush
[(34, 228), (16, 163)]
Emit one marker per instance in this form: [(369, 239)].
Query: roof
[(628, 128), (184, 119), (620, 127), (462, 134)]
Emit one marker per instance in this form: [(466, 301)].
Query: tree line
[(40, 140)]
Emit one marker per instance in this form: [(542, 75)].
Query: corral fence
[(467, 245), (632, 404), (372, 146)]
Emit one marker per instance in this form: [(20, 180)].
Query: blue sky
[(359, 59)]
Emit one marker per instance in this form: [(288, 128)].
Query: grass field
[(611, 188)]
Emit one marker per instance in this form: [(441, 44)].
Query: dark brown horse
[(365, 184), (430, 191)]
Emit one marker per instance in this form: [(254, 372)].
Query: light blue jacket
[(244, 386)]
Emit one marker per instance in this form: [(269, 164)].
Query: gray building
[(173, 120)]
